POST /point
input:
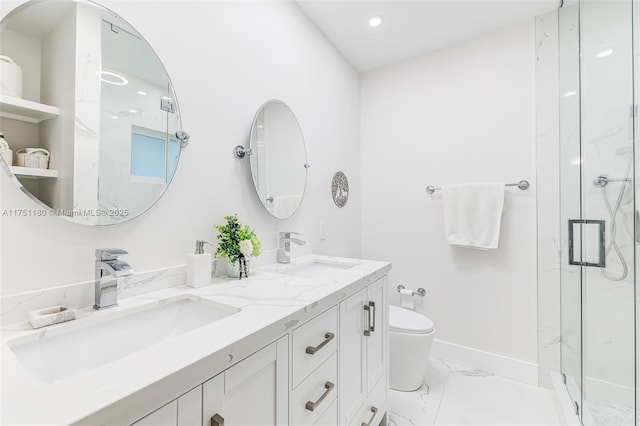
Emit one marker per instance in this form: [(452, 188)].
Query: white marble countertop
[(115, 393)]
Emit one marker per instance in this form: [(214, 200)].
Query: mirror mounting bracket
[(183, 137), (239, 151)]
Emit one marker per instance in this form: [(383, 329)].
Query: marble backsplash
[(14, 307)]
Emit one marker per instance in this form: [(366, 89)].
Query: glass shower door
[(598, 209), (570, 200)]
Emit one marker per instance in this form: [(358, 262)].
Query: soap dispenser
[(199, 266)]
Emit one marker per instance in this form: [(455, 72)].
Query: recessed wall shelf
[(33, 173), (29, 111)]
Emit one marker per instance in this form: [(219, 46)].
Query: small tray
[(51, 315)]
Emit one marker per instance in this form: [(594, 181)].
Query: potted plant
[(236, 243)]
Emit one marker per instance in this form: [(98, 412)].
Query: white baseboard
[(522, 371)]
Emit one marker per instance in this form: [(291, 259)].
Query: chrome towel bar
[(523, 185)]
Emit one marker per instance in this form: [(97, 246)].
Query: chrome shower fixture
[(603, 180)]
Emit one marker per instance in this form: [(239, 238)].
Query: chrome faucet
[(108, 265), (284, 252)]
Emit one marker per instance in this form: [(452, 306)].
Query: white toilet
[(410, 337)]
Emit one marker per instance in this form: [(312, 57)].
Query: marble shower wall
[(548, 208), (595, 126), (606, 141)]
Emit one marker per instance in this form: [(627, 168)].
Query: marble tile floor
[(456, 395), (604, 412)]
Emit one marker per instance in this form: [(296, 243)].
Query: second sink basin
[(87, 347)]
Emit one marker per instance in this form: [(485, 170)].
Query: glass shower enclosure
[(599, 44)]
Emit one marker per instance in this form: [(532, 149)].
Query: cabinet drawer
[(318, 336), (319, 389), (330, 416), (377, 400)]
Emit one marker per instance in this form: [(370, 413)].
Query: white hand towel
[(472, 214)]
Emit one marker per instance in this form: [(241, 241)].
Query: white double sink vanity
[(298, 344)]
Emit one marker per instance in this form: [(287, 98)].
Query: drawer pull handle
[(371, 318), (217, 420), (327, 338), (313, 405), (374, 411), (373, 322)]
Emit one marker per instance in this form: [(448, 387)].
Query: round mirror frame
[(252, 152), (180, 135)]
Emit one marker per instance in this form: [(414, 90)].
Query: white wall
[(461, 114), (225, 59)]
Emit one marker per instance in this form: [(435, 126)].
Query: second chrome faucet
[(284, 250)]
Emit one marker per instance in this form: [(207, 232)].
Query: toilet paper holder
[(420, 292)]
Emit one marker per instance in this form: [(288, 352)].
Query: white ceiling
[(412, 27)]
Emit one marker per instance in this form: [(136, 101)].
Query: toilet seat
[(405, 321)]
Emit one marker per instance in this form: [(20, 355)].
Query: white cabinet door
[(252, 392), (376, 340), (190, 408), (362, 348), (167, 415), (351, 350), (184, 411)]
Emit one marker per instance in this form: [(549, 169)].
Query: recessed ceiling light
[(113, 78), (141, 93), (133, 111), (604, 53), (569, 94), (375, 21)]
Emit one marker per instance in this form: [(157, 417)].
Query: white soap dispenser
[(199, 266)]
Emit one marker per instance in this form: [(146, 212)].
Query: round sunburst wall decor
[(340, 189)]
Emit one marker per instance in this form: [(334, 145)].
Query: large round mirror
[(278, 159), (87, 110)]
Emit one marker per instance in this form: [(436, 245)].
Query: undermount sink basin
[(57, 356), (317, 269)]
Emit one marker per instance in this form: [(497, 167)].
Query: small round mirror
[(88, 112), (278, 159)]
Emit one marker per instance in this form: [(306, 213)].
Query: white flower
[(246, 247)]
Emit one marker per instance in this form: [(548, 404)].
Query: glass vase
[(233, 269)]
